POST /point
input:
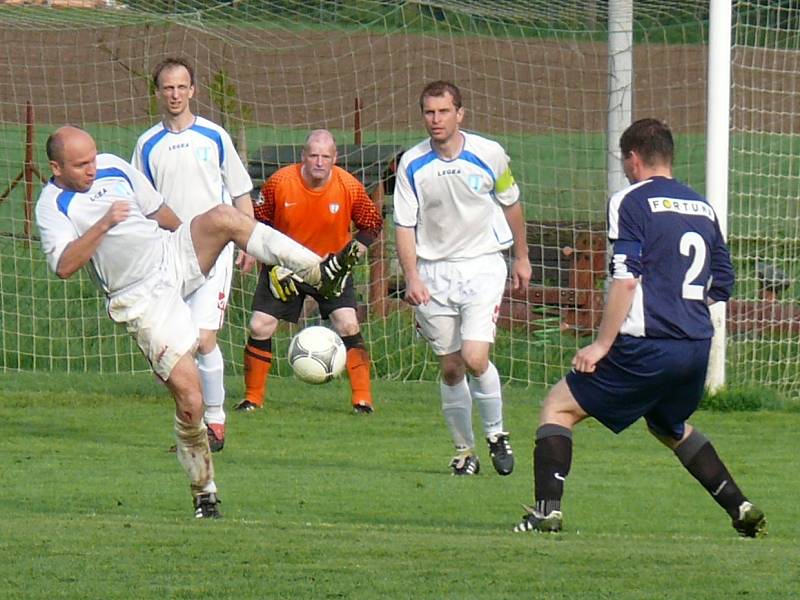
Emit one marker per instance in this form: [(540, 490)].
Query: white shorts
[(209, 301), (155, 313), (465, 301)]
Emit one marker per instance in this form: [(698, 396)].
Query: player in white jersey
[(456, 208), (192, 162), (99, 212)]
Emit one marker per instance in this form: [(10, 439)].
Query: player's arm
[(406, 206), (416, 291), (166, 218), (244, 203), (506, 192), (81, 250), (264, 206), (521, 267), (723, 275), (366, 218), (620, 298)]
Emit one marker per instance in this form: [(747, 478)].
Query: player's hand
[(520, 273), (282, 283), (586, 359), (416, 292), (117, 213), (245, 262)]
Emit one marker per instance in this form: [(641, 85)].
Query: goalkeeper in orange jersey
[(314, 202)]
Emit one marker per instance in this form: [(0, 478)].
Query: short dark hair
[(169, 63), (54, 147), (651, 139), (437, 89)]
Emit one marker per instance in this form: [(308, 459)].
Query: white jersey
[(454, 205), (130, 251), (194, 169)]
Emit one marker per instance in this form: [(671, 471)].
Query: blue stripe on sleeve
[(113, 172), (472, 158), (415, 165), (147, 148), (63, 200), (214, 136)]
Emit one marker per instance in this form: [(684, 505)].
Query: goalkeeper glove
[(282, 283)]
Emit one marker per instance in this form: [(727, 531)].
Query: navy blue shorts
[(264, 301), (661, 380)]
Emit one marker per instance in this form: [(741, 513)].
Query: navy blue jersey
[(668, 236)]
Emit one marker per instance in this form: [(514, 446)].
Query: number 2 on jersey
[(693, 241)]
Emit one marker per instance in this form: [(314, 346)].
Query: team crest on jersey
[(333, 207), (474, 182), (203, 153)]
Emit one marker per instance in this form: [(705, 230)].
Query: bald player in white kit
[(98, 212)]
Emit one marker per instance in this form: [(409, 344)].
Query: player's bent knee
[(185, 385), (262, 325), (560, 407), (222, 218), (348, 329)]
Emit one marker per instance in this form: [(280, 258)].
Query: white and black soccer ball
[(317, 354)]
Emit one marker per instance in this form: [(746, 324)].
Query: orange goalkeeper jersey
[(318, 219)]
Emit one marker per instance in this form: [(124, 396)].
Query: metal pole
[(718, 135), (620, 86)]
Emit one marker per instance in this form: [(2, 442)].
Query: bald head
[(72, 154), (63, 138), (320, 136), (319, 156)]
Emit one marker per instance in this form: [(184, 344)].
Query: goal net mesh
[(534, 75)]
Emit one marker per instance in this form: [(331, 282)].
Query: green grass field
[(318, 503)]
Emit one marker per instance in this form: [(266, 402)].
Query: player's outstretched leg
[(552, 458), (699, 457)]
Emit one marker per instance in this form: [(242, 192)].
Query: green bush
[(742, 399)]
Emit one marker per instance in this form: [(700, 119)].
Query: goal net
[(534, 75), (764, 229)]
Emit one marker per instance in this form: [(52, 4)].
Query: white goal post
[(719, 81)]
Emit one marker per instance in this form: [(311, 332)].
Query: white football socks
[(487, 394), (212, 367), (457, 409), (274, 248)]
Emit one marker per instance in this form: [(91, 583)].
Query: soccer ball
[(317, 354)]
